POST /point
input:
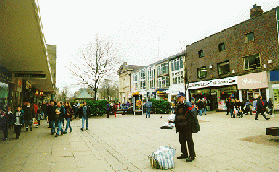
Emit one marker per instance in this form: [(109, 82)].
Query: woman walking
[(68, 116)]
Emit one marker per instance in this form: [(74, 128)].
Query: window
[(249, 37), (202, 72), (181, 63), (221, 47), (163, 82), (223, 67), (201, 54), (163, 69), (252, 62)]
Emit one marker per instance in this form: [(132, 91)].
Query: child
[(18, 121)]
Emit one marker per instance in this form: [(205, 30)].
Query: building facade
[(236, 62), (125, 81), (26, 73)]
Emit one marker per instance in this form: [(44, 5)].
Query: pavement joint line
[(110, 152)]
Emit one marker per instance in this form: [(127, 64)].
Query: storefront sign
[(215, 82), (252, 81), (28, 85)]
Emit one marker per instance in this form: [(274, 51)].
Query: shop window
[(249, 37), (221, 47), (223, 68), (252, 62), (202, 72), (201, 54)]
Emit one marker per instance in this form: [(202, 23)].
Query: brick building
[(236, 62)]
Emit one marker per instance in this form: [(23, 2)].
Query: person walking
[(68, 117), (85, 114), (3, 122), (108, 109), (200, 107), (50, 112), (18, 116), (59, 116), (114, 109), (43, 110), (148, 106), (186, 123), (28, 115), (260, 108), (270, 106), (204, 106)]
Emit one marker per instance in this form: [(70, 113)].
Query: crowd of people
[(238, 108), (58, 114)]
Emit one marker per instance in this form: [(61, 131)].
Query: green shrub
[(161, 106), (98, 107)]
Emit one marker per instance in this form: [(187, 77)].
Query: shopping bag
[(171, 118), (163, 158)]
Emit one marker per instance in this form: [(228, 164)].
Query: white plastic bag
[(171, 118), (163, 158)]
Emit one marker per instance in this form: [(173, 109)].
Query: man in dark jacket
[(50, 112), (186, 123), (85, 114), (59, 117), (260, 108), (3, 122), (28, 115)]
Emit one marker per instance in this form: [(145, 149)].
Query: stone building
[(236, 62), (125, 86)]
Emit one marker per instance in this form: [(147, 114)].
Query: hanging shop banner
[(215, 82), (252, 81)]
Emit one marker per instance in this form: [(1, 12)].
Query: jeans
[(59, 127), (148, 112), (29, 123), (52, 125), (83, 119), (204, 110), (232, 115), (68, 125), (270, 111), (200, 112)]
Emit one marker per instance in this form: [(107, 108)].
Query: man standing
[(85, 114), (28, 115), (200, 107), (50, 112), (260, 108), (186, 123), (148, 106)]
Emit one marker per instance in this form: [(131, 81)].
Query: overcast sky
[(142, 31)]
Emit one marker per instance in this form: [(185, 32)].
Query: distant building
[(125, 86)]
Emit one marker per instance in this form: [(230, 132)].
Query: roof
[(84, 95)]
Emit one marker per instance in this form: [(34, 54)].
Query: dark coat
[(68, 112), (186, 118), (50, 111), (259, 105), (88, 111), (28, 112), (3, 120)]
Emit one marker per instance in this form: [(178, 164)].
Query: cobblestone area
[(123, 144)]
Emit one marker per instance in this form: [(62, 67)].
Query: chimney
[(255, 11)]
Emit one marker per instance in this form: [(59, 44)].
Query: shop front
[(274, 80), (214, 92), (5, 87), (162, 94), (253, 85)]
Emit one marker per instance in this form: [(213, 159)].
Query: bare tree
[(95, 61)]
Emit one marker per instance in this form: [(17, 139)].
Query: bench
[(274, 131)]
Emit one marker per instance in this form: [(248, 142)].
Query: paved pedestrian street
[(124, 143)]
